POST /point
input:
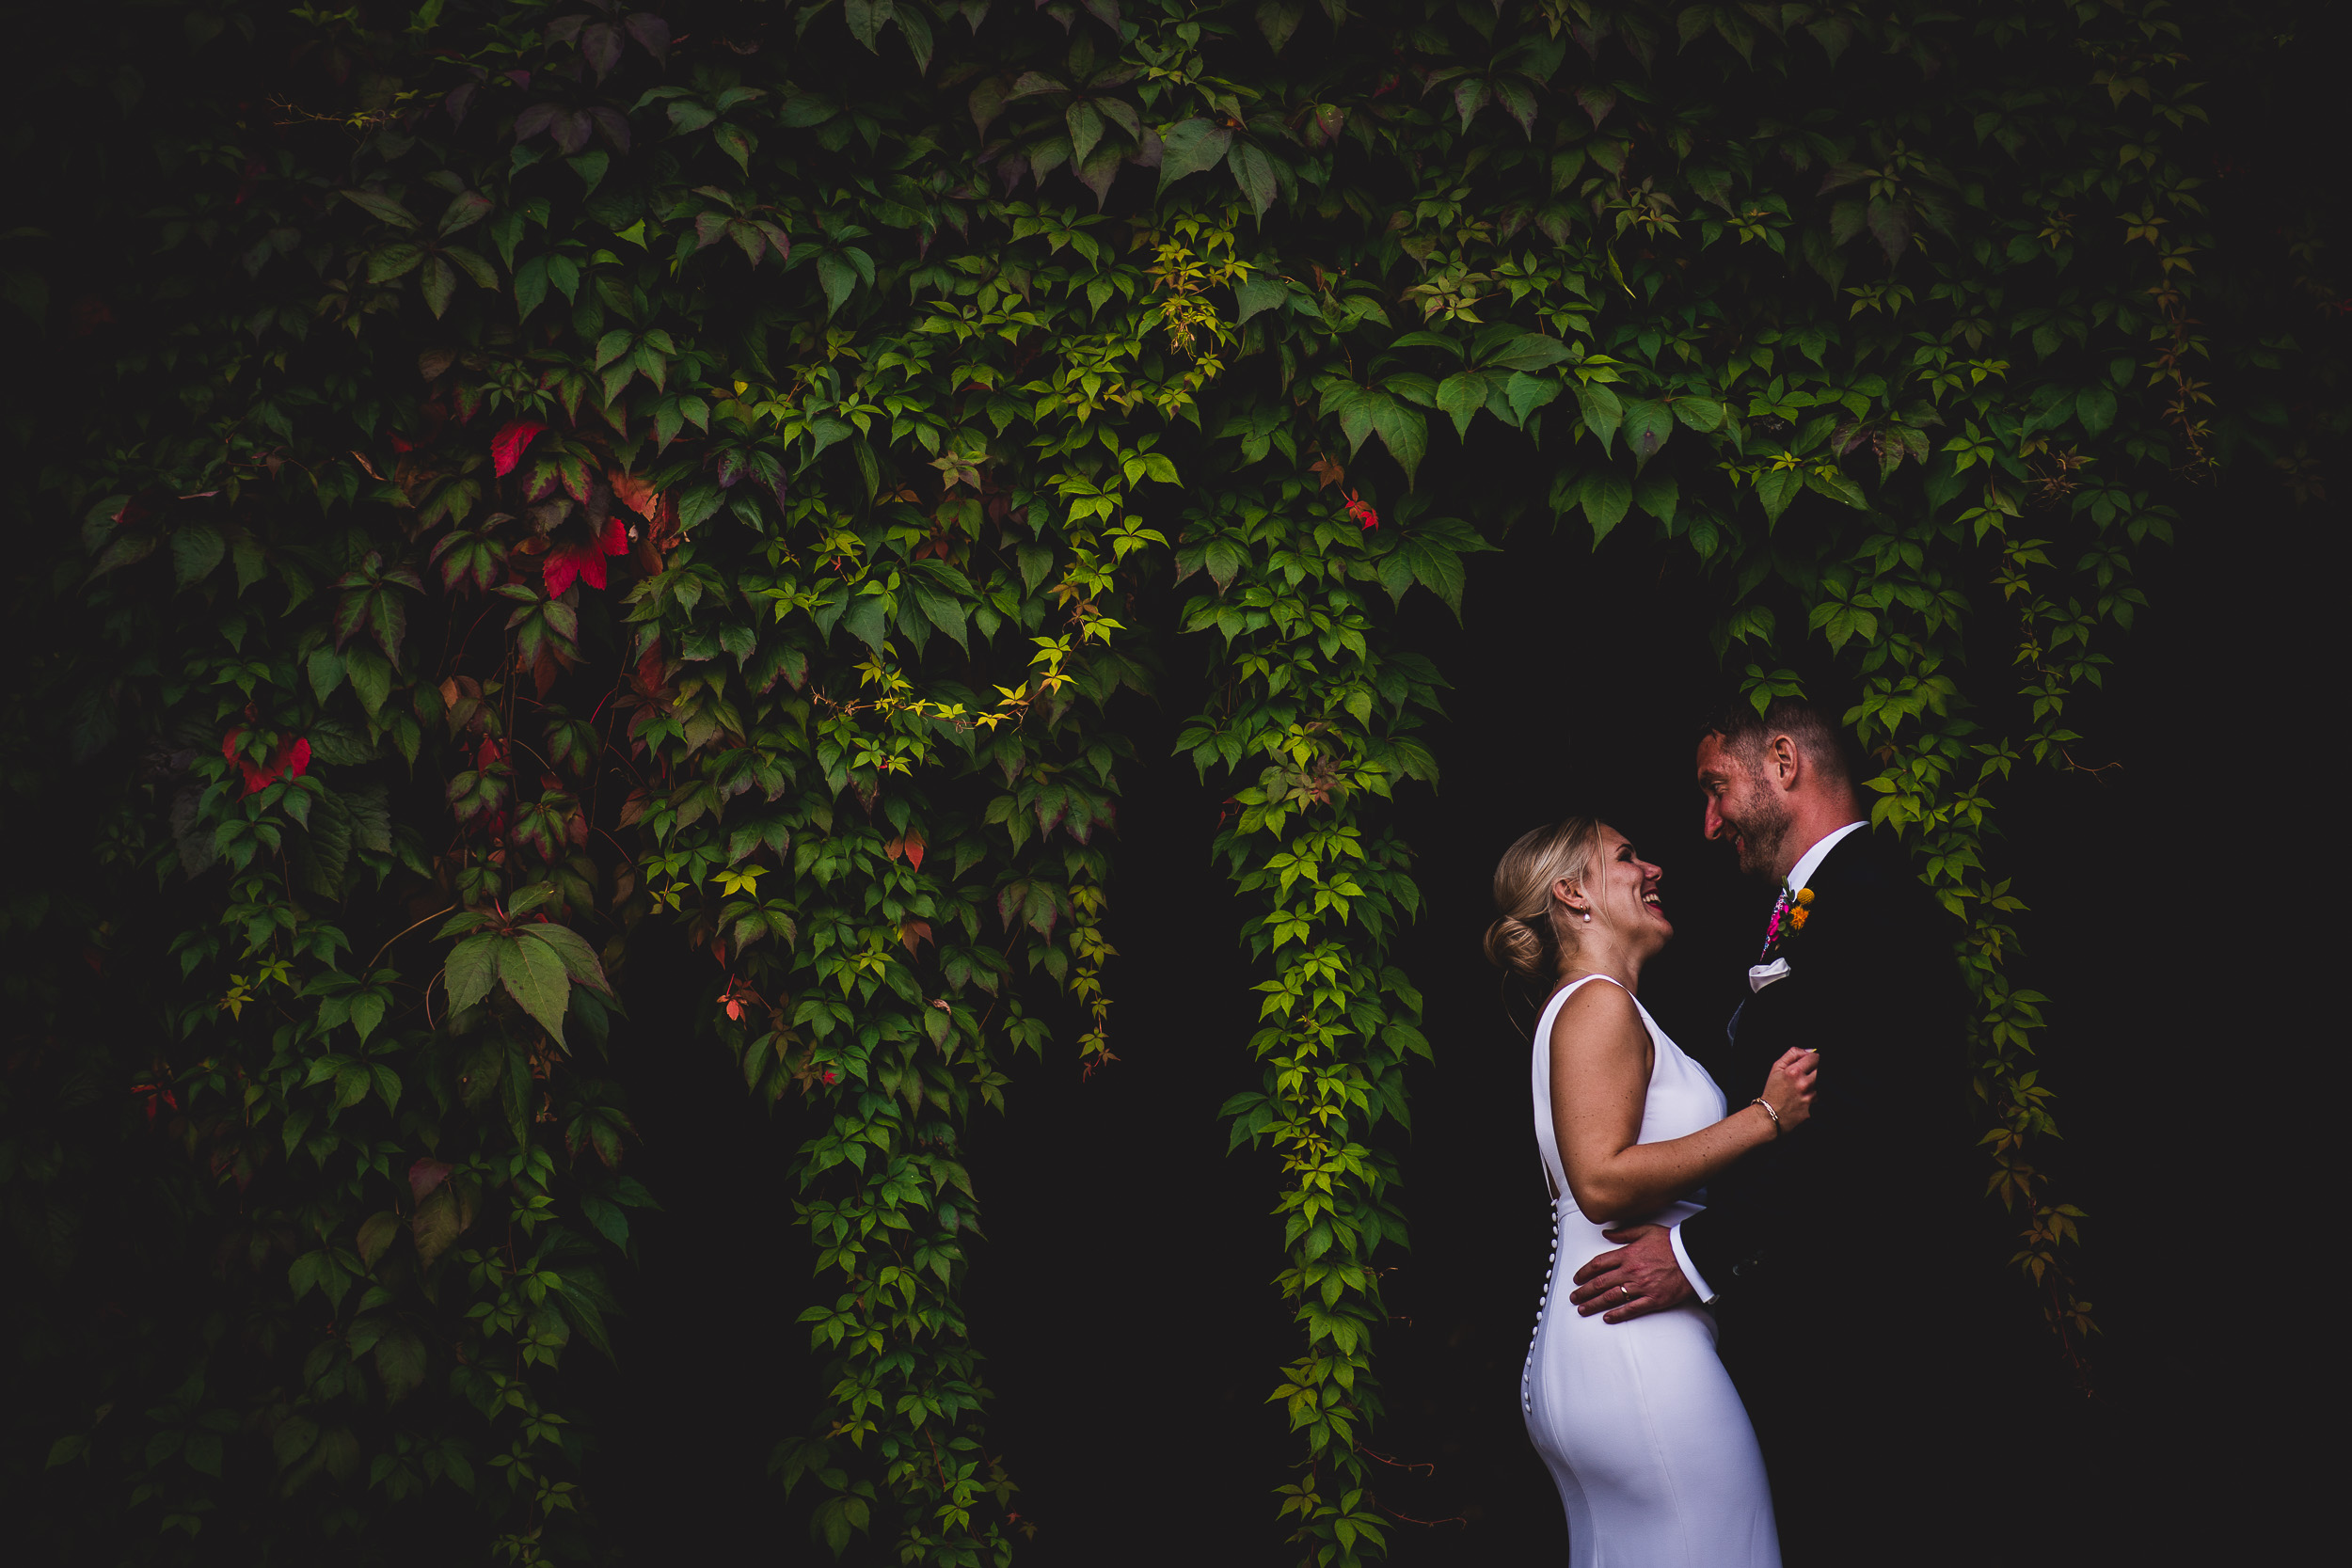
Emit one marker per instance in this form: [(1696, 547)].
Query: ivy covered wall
[(512, 487)]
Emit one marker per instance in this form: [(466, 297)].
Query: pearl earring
[(1588, 917)]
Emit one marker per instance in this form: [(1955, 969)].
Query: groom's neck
[(1813, 816)]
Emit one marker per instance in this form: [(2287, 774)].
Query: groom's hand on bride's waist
[(1640, 1278)]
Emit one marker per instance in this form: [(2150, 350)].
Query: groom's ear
[(1784, 763)]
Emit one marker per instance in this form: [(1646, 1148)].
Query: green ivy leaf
[(1404, 433), (382, 207), (737, 144), (1255, 173), (195, 550), (472, 968), (1254, 294), (578, 959), (1835, 485), (1461, 396), (1528, 352), (440, 285), (370, 676), (1776, 488), (326, 674), (1527, 393), (1190, 146), (1436, 568), (1601, 411), (867, 619), (534, 974), (464, 209), (1647, 427), (1704, 415), (2094, 407), (375, 1236), (1607, 494), (400, 1361), (1658, 495), (392, 261)]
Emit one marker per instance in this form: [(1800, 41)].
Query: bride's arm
[(1600, 1067)]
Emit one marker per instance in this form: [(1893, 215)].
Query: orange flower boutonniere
[(1789, 917), (1799, 910)]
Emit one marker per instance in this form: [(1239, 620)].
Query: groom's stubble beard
[(1762, 827)]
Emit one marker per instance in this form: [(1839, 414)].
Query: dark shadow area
[(1126, 1297), (713, 1366)]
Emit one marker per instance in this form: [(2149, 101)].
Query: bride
[(1654, 1459)]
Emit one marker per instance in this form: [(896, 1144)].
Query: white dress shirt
[(1811, 860), (1799, 874)]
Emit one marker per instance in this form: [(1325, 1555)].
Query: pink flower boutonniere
[(1788, 918)]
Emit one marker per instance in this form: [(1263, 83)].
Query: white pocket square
[(1760, 975)]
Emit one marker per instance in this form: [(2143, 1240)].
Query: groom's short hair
[(1745, 731)]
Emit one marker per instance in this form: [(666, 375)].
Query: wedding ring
[(1627, 1289)]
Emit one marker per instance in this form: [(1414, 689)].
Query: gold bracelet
[(1770, 1112)]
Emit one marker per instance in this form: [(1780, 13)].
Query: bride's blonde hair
[(1528, 940)]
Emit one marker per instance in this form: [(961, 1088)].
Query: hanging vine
[(543, 478)]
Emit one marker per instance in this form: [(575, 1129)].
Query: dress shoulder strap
[(1597, 975), (1560, 997)]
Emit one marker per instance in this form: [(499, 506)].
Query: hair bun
[(1518, 945), (1525, 941)]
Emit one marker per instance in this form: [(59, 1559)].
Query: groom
[(1824, 1254)]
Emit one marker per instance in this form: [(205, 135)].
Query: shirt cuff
[(1690, 1270)]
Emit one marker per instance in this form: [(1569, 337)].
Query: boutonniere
[(1789, 919)]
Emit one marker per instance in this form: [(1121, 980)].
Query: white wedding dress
[(1643, 1433)]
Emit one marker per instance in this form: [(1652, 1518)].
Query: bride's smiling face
[(1621, 891)]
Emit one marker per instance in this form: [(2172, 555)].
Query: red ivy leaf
[(561, 566), (584, 563), (506, 449), (288, 762)]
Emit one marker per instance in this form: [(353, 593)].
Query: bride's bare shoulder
[(1599, 1012)]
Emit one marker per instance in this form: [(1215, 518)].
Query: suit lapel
[(1789, 942)]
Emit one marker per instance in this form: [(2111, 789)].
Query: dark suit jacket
[(1858, 1206), (1840, 1251)]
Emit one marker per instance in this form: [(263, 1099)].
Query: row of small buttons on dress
[(1526, 1372)]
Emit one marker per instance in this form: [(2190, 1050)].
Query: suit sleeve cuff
[(1690, 1270)]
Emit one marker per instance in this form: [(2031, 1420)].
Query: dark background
[(2179, 901), (1125, 1299)]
